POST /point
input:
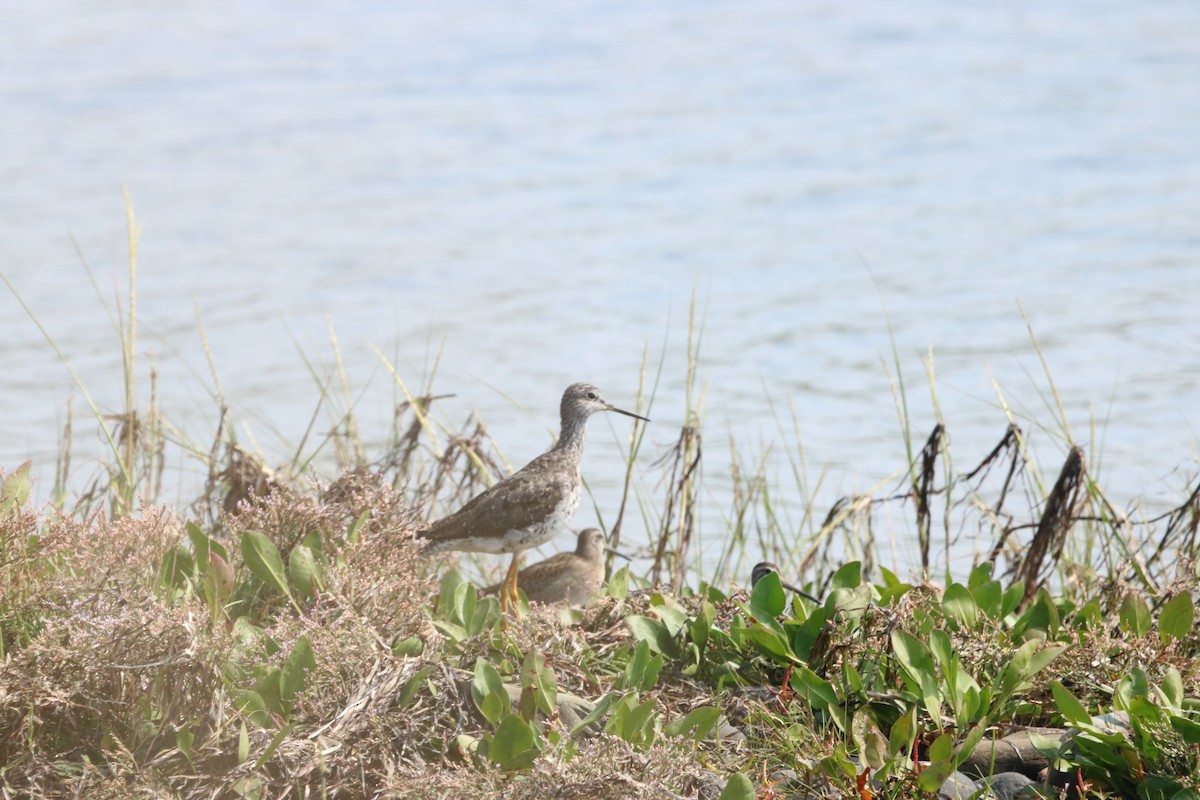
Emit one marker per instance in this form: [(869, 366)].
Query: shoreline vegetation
[(282, 635)]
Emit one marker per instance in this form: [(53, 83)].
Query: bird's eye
[(591, 395)]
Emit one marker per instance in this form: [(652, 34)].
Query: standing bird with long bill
[(527, 508)]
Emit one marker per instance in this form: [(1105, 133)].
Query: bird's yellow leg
[(515, 600), (508, 589)]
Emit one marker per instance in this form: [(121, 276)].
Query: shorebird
[(763, 567), (571, 578), (528, 507)]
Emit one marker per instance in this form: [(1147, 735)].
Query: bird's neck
[(572, 437), (590, 551)]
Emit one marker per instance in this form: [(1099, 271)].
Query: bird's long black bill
[(628, 413), (801, 592)]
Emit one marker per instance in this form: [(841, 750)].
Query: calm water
[(534, 190)]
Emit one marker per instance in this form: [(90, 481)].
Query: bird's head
[(584, 399)]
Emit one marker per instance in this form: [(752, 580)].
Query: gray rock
[(727, 732), (958, 787), (1013, 753), (783, 775), (709, 788), (1007, 785)]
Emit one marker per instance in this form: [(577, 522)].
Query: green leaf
[(967, 746), (1133, 685), (851, 680), (642, 669), (959, 605), (408, 646), (768, 595), (493, 707), (1044, 657), (177, 568), (515, 744), (1186, 728), (243, 751), (1134, 616), (1089, 614), (802, 636), (200, 542), (413, 685), (819, 693), (295, 669), (276, 741), (989, 598), (599, 710), (456, 632), (1176, 618), (253, 705), (1026, 662), (485, 617), (305, 571), (770, 643), (446, 592), (1171, 688), (738, 787), (639, 723), (890, 579), (674, 619), (941, 763), (872, 747), (1040, 616), (14, 492), (917, 664), (852, 602), (653, 633), (268, 688), (486, 685), (893, 588), (1012, 598), (890, 594), (941, 749), (979, 575), (487, 679), (618, 584), (355, 531), (1069, 706), (701, 626), (632, 721), (184, 739), (263, 559), (848, 577), (811, 686), (943, 650), (464, 603), (537, 678), (696, 724), (902, 734)]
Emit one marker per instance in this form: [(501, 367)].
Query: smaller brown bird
[(763, 567), (571, 578)]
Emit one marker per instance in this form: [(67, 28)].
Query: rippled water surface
[(530, 194)]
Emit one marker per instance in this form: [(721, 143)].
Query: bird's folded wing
[(524, 499)]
